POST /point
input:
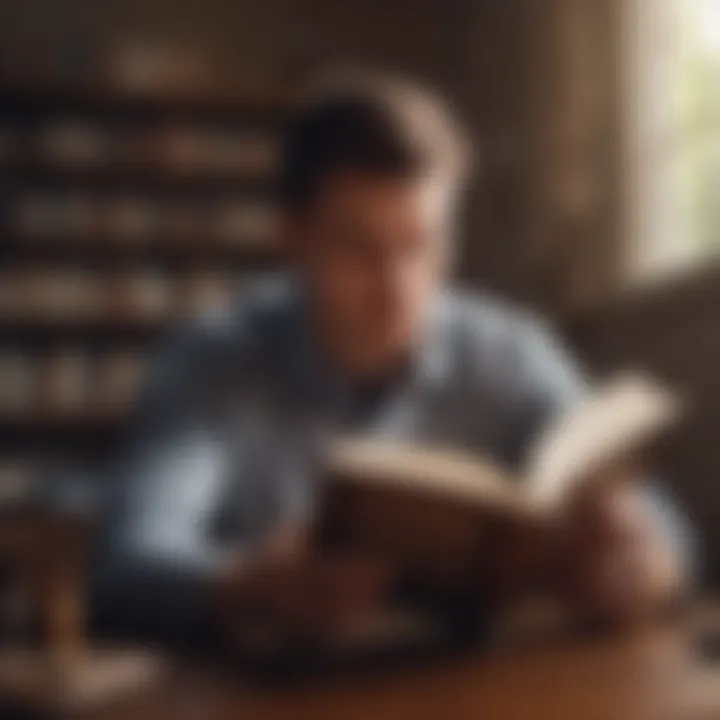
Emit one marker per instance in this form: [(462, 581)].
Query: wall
[(261, 44), (673, 329), (545, 106)]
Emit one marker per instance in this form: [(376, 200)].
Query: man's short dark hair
[(378, 126)]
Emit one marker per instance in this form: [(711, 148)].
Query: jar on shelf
[(233, 152), (205, 291), (117, 381), (182, 149), (246, 223), (65, 386)]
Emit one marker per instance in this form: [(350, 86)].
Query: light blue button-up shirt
[(226, 433)]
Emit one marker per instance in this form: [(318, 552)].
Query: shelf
[(106, 251), (41, 100), (106, 178), (42, 421), (92, 434), (103, 332)]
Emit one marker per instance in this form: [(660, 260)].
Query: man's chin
[(390, 347)]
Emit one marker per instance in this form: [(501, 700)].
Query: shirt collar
[(433, 354)]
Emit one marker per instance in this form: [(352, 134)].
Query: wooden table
[(651, 674)]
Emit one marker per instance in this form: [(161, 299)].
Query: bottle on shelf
[(65, 386), (72, 144), (246, 223), (143, 296), (233, 152)]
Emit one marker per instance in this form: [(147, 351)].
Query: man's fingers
[(625, 578), (614, 516), (626, 588)]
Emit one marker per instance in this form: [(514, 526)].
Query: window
[(672, 148), (699, 127)]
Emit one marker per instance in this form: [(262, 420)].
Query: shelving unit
[(119, 215), (108, 251)]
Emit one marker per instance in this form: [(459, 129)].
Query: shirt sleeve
[(154, 554), (548, 383)]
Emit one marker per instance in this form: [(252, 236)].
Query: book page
[(422, 469), (622, 417)]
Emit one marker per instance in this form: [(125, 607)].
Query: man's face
[(374, 251)]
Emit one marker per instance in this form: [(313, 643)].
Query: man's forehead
[(365, 192)]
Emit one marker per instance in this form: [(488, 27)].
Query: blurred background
[(137, 150)]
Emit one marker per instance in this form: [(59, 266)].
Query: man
[(362, 336)]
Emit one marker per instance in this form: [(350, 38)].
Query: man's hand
[(296, 594), (618, 565)]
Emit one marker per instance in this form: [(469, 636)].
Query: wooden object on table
[(61, 673)]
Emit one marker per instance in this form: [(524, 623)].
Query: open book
[(428, 508), (431, 512)]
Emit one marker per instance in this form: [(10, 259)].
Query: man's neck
[(358, 359), (363, 365)]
